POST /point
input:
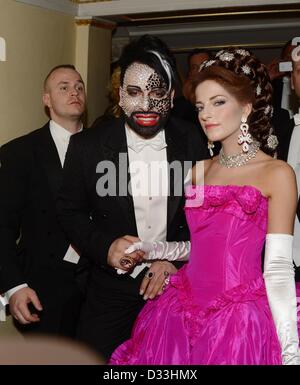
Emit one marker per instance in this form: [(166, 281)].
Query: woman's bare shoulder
[(278, 169), (281, 183), (279, 175)]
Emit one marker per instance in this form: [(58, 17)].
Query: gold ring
[(127, 262)]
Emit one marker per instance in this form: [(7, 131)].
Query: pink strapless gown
[(215, 310)]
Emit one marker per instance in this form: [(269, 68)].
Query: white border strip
[(2, 51)]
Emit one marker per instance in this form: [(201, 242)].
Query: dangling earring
[(245, 138), (210, 146)]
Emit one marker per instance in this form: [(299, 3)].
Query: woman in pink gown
[(220, 308)]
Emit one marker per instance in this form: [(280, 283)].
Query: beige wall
[(36, 40), (98, 71), (82, 51), (93, 53)]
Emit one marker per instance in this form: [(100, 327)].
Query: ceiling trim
[(216, 27), (203, 15), (91, 8), (88, 1), (126, 7), (63, 6), (265, 44)]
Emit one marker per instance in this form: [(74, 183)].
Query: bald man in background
[(40, 272)]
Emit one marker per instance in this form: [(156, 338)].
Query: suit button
[(49, 232), (104, 216), (43, 211), (181, 227), (52, 255)]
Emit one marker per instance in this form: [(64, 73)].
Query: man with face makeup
[(138, 203)]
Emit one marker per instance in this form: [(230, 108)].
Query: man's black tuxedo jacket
[(30, 177), (93, 222), (284, 127)]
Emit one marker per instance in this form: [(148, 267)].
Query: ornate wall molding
[(98, 23)]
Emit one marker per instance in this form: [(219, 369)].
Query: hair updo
[(247, 79)]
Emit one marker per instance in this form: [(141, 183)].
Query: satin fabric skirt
[(235, 328)]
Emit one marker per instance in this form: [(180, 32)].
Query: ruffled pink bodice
[(228, 228), (245, 202)]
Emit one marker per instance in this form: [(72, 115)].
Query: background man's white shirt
[(294, 161)]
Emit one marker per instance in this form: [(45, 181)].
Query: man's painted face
[(145, 100)]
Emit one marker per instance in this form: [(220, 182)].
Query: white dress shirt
[(294, 161), (149, 183), (61, 138)]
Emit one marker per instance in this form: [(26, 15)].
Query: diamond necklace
[(238, 160)]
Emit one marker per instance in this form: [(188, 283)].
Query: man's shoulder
[(24, 142), (188, 136), (178, 127), (183, 126), (280, 120), (99, 130)]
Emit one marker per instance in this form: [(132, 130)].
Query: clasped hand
[(127, 251), (117, 256)]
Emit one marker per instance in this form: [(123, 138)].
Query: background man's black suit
[(284, 127), (30, 178)]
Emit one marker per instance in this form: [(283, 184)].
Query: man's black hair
[(197, 51), (138, 51)]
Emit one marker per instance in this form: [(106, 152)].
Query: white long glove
[(171, 251), (280, 285)]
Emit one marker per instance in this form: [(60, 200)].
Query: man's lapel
[(115, 150), (298, 210), (285, 140), (286, 145), (48, 158), (176, 152)]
